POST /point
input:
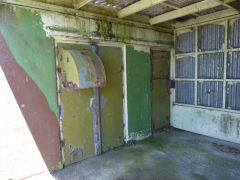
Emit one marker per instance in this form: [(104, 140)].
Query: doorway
[(76, 106), (160, 75)]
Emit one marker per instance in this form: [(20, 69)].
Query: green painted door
[(112, 98), (76, 116), (160, 92)]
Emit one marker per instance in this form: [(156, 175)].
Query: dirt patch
[(226, 149)]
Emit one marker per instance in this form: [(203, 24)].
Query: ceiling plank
[(233, 7), (175, 7), (77, 4), (205, 18), (197, 7), (138, 6)]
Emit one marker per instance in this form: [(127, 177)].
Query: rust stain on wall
[(77, 151)]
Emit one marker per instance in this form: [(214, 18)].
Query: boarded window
[(185, 92), (185, 67), (208, 73), (211, 37), (210, 94), (186, 41), (233, 71), (234, 34), (233, 96), (211, 66)]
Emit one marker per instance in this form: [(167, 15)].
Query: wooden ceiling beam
[(138, 6), (194, 8), (77, 4)]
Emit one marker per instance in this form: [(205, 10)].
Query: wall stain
[(226, 123), (77, 151)]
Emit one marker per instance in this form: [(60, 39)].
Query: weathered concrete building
[(82, 77)]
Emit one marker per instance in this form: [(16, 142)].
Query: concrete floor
[(168, 155)]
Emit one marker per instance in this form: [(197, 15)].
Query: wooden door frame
[(170, 50)]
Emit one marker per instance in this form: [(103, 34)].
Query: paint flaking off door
[(82, 69)]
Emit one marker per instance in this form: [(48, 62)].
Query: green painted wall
[(24, 34), (138, 92), (34, 52)]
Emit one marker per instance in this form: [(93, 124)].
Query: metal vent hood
[(81, 69)]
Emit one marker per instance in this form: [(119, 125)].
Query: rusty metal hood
[(82, 69)]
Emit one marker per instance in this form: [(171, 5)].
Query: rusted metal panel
[(76, 113), (234, 34), (82, 69), (210, 94), (233, 94), (211, 66), (211, 37), (186, 41), (233, 71), (185, 92), (185, 67)]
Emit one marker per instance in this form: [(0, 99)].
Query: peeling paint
[(82, 69), (62, 111), (103, 101), (77, 151), (138, 93), (77, 123), (59, 24), (139, 135), (142, 48)]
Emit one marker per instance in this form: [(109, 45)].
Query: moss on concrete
[(169, 155)]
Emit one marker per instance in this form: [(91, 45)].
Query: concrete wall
[(27, 62), (209, 104)]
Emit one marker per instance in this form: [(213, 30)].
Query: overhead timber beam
[(77, 4), (138, 6), (194, 8)]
